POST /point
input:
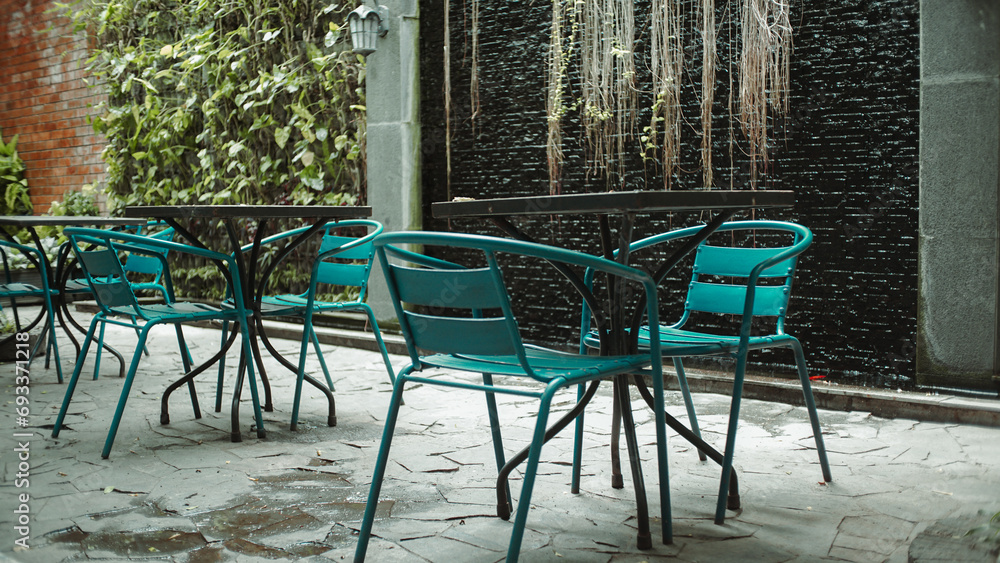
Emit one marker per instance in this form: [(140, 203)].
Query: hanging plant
[(560, 54), (764, 72), (667, 58), (708, 39), (608, 74)]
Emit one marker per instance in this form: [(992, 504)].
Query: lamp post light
[(367, 25)]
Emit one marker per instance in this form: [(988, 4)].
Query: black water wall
[(848, 148)]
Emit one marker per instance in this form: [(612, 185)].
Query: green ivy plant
[(224, 102), (13, 184)]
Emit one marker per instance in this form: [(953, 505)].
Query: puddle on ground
[(253, 518), (130, 543), (207, 554), (238, 526)]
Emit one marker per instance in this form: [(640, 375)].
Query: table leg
[(644, 539), (503, 492)]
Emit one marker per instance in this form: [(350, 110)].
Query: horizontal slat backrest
[(738, 262), (109, 283), (459, 289), (142, 264), (729, 299), (451, 335), (342, 274), (443, 294), (345, 268)]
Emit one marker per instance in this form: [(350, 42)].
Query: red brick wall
[(43, 99)]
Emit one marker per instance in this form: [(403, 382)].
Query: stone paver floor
[(184, 492)]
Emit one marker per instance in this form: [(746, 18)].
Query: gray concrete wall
[(393, 95), (959, 184)]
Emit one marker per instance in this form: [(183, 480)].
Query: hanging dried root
[(764, 72)]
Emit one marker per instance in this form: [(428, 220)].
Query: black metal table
[(253, 282), (59, 275), (618, 333)]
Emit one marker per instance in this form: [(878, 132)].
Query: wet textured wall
[(848, 149)]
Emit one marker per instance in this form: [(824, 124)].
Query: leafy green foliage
[(226, 102), (217, 102), (13, 184)]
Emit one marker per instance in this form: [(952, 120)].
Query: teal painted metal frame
[(554, 370), (13, 291), (115, 298), (751, 264), (357, 249)]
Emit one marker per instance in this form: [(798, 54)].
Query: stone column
[(393, 95), (958, 329)]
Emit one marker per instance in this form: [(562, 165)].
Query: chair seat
[(16, 289), (78, 285), (296, 304), (191, 311), (677, 342), (546, 364)]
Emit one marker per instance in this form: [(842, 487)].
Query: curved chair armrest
[(337, 225), (485, 243), (36, 256), (145, 241), (149, 245)]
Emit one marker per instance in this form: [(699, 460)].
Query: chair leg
[(530, 471), (682, 382), (126, 388), (222, 370), (301, 372), (71, 387), (319, 354), (100, 349), (246, 369), (378, 339), (498, 452), (577, 445), (52, 338), (382, 460), (135, 323), (800, 361), (734, 420)]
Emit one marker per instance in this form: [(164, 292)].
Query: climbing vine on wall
[(227, 102)]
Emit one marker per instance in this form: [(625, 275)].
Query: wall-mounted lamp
[(367, 25)]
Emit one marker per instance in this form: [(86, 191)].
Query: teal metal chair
[(343, 262), (749, 275), (99, 253), (461, 320), (145, 273), (11, 290)]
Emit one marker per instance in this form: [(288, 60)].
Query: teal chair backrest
[(721, 275), (441, 307), (445, 308), (107, 278), (144, 264), (345, 260)]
